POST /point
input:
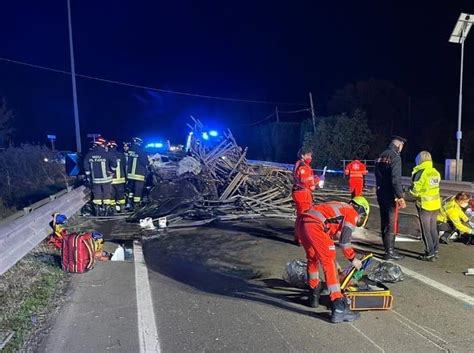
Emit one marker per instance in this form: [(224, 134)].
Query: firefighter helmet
[(137, 141), (101, 142), (361, 205)]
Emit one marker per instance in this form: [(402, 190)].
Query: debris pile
[(217, 182)]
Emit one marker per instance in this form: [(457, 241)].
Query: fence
[(447, 187)]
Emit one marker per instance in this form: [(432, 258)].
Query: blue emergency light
[(205, 136), (154, 145), (213, 133)]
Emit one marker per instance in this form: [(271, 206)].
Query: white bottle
[(119, 254)]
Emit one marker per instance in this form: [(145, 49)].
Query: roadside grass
[(30, 295)]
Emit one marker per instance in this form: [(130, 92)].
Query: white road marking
[(439, 286), (420, 327), (147, 332), (367, 337), (421, 335)]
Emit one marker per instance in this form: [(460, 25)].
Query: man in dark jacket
[(388, 174)]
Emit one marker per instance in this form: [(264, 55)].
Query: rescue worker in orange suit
[(355, 171), (319, 227), (118, 180), (304, 184), (137, 164), (99, 166)]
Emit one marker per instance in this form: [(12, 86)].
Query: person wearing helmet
[(137, 164), (304, 184), (118, 180), (319, 227), (100, 167)]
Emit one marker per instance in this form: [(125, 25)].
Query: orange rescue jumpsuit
[(356, 170), (318, 227), (305, 184)]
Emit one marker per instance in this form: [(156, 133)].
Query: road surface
[(218, 288)]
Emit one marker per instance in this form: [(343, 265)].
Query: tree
[(6, 124), (386, 107), (340, 137)]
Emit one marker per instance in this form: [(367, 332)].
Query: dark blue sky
[(265, 50)]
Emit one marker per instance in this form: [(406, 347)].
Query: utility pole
[(276, 113), (73, 76), (459, 132), (409, 117), (312, 112)]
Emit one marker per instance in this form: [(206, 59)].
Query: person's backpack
[(77, 254)]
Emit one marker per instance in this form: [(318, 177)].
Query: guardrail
[(21, 232), (289, 166), (447, 187)]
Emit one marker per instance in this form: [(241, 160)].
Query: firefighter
[(355, 171), (118, 180), (425, 188), (318, 227), (137, 163), (304, 184), (388, 176), (99, 166)]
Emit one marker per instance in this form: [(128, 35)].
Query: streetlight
[(73, 75), (460, 32)]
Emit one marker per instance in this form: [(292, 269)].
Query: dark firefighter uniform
[(118, 180), (137, 163), (100, 166)]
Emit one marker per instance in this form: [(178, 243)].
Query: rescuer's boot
[(110, 210), (313, 296), (341, 312), (102, 210), (96, 210), (391, 253), (129, 206)]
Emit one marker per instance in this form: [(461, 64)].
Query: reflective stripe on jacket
[(425, 186), (303, 176), (355, 169), (336, 217), (137, 164), (452, 212), (119, 175), (100, 165)]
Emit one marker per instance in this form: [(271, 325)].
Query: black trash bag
[(385, 272), (88, 210), (295, 274)]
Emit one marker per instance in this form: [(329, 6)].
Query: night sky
[(259, 50)]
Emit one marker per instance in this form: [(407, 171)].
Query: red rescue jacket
[(304, 176), (339, 219), (356, 169)]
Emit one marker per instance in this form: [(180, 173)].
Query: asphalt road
[(219, 289), (204, 300)]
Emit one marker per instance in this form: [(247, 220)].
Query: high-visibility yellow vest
[(452, 212), (425, 186)]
